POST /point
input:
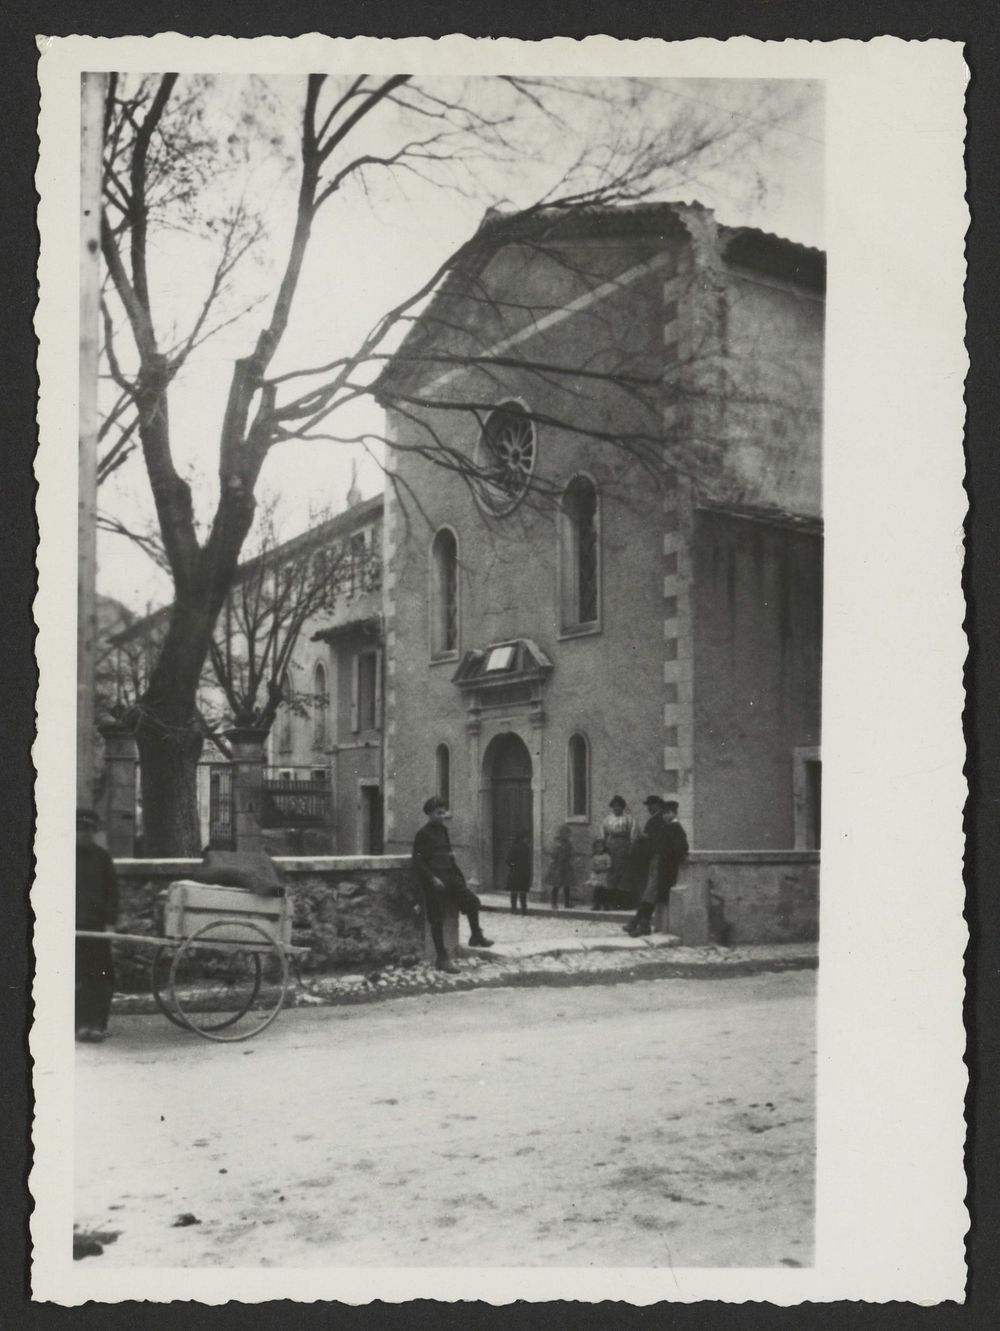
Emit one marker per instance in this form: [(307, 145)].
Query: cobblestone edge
[(488, 974)]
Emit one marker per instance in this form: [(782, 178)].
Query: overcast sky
[(372, 247)]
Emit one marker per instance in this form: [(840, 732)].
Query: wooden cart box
[(190, 906)]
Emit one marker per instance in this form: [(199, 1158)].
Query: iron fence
[(295, 797)]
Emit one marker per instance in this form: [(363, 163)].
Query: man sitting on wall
[(659, 854), (443, 882)]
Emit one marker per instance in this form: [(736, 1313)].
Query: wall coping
[(754, 857), (291, 864)]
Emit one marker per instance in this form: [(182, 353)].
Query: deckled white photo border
[(891, 1218)]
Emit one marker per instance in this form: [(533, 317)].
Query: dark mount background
[(973, 22)]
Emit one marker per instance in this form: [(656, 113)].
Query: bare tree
[(168, 145), (274, 596)]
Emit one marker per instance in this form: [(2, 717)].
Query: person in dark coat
[(660, 852), (519, 872), (443, 882), (97, 910)]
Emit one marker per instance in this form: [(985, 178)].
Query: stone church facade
[(626, 596)]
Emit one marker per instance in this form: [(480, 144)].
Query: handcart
[(221, 967)]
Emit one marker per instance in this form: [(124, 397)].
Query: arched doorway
[(507, 769)]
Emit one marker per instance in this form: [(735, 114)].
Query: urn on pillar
[(247, 746), (121, 759)]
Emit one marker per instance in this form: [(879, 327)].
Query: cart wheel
[(215, 982), (228, 991), (159, 983)]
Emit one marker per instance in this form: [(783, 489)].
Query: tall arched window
[(578, 777), (444, 593), (285, 728), (442, 763), (580, 555), (320, 704)]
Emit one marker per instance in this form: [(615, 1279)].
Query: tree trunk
[(168, 728), (170, 737), (168, 762)]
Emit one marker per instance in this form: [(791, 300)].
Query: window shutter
[(377, 709), (355, 681)]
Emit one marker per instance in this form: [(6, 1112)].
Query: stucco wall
[(756, 896), (607, 685), (753, 390), (758, 628), (348, 910)]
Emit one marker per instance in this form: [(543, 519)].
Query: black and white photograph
[(459, 635)]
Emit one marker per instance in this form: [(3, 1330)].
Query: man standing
[(96, 909), (660, 852), (443, 882)]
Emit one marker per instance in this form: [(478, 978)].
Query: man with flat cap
[(96, 911), (660, 852), (443, 882)]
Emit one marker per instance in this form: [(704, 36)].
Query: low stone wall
[(755, 896), (349, 911)]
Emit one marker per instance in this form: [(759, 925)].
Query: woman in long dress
[(619, 831)]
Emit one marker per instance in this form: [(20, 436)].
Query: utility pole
[(92, 88)]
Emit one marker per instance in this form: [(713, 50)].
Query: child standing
[(600, 864), (519, 872), (560, 874)]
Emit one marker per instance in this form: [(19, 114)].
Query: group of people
[(627, 865)]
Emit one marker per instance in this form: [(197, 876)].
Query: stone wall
[(350, 911), (756, 896)]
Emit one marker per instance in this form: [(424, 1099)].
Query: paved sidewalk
[(541, 909)]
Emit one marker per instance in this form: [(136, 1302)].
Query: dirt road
[(666, 1122)]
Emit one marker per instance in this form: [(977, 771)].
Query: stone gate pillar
[(121, 759), (247, 746)]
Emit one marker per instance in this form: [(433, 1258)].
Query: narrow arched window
[(444, 593), (578, 777), (442, 763), (580, 555), (320, 704), (285, 729)]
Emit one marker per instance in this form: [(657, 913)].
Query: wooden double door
[(509, 786)]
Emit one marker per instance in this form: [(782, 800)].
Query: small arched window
[(578, 777), (442, 764), (320, 704), (580, 555), (444, 593)]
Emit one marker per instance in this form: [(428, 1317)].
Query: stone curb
[(490, 973)]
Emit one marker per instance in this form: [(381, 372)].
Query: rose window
[(506, 458)]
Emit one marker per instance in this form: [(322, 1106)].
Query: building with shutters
[(336, 739), (625, 596)]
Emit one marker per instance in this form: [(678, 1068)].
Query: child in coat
[(560, 874), (600, 866)]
